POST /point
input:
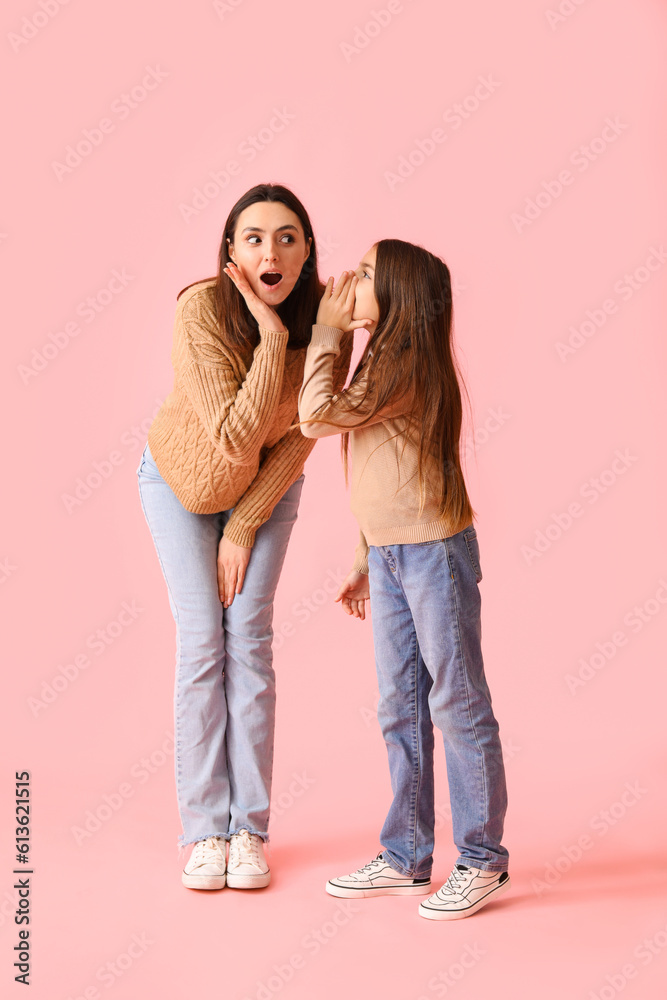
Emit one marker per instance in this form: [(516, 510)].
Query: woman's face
[(269, 248), (365, 303)]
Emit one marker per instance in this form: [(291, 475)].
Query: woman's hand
[(354, 593), (232, 563), (266, 317), (337, 304)]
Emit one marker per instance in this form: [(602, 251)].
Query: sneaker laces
[(243, 849), (456, 876), (367, 869), (207, 852)]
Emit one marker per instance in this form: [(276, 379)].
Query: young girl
[(418, 563)]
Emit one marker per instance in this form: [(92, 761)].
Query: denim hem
[(399, 868), (481, 865), (256, 833), (182, 842)]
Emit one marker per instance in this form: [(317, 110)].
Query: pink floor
[(113, 914)]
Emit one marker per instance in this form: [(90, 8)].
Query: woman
[(220, 481)]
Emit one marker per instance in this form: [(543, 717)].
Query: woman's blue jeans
[(225, 683), (425, 605)]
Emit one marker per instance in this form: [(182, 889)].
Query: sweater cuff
[(361, 565), (326, 336), (240, 534), (273, 338)]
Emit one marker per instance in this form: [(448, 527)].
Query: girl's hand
[(354, 593), (337, 304), (266, 317), (232, 563)]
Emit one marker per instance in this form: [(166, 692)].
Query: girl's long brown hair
[(237, 326), (411, 350)]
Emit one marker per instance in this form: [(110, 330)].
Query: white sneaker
[(248, 867), (465, 891), (206, 867), (377, 878)]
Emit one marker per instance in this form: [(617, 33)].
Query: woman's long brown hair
[(237, 326), (411, 349)]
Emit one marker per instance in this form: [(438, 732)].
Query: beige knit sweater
[(385, 493), (221, 438)]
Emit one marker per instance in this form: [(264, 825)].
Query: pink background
[(585, 742)]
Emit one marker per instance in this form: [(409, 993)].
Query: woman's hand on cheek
[(266, 317), (337, 304), (353, 594), (232, 564)]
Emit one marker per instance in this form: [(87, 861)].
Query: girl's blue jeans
[(225, 684), (425, 608)]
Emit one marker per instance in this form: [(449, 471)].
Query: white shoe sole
[(248, 881), (203, 881), (435, 914), (380, 890)]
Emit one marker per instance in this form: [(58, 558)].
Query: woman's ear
[(230, 249), (309, 242)]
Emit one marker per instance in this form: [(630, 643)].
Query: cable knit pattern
[(221, 438)]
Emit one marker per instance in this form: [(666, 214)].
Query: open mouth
[(271, 278)]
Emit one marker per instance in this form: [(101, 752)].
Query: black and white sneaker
[(377, 878), (465, 891)]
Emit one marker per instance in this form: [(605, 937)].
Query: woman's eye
[(255, 240)]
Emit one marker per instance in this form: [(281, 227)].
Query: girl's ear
[(308, 245), (230, 249)]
